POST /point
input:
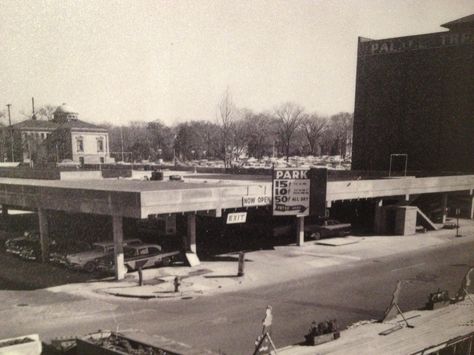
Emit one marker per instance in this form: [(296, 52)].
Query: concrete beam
[(299, 231), (44, 234), (139, 199), (117, 226), (341, 190)]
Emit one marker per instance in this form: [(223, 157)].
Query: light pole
[(11, 132)]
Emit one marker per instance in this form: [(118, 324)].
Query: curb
[(157, 294)]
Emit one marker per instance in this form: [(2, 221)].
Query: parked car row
[(91, 257), (28, 247)]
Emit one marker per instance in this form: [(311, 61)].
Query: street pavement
[(350, 283)]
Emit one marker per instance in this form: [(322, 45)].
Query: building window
[(100, 145), (43, 136), (80, 144)]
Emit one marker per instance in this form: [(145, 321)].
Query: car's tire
[(90, 267), (315, 236), (166, 262)]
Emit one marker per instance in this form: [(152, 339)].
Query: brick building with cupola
[(65, 137)]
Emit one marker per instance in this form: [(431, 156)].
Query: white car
[(87, 260)]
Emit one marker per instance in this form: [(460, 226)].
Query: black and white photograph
[(236, 177)]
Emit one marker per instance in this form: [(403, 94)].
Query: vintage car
[(327, 228), (323, 228), (28, 247), (87, 260), (140, 257), (60, 248), (25, 246)]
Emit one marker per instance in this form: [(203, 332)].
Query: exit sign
[(238, 217)]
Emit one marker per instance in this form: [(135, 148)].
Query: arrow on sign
[(285, 208)]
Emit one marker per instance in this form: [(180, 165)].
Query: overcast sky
[(120, 61)]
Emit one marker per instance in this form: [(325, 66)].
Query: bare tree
[(45, 112), (240, 134), (341, 126), (289, 117), (260, 135), (226, 117), (314, 127)]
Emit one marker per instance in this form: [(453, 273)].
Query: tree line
[(285, 131)]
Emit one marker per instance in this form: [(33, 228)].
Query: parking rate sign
[(291, 191)]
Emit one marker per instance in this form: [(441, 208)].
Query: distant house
[(65, 137)]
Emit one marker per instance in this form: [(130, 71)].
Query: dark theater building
[(415, 95)]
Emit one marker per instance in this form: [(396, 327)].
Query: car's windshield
[(98, 248), (129, 252), (133, 242)]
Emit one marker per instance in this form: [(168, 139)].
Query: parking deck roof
[(140, 198)]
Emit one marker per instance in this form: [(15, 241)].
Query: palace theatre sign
[(411, 43)]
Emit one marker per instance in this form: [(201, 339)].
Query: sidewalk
[(428, 329), (262, 266)]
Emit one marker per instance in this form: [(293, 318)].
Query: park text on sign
[(238, 217), (291, 191), (248, 201)]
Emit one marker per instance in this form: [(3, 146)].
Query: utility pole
[(121, 139), (33, 117), (11, 132)]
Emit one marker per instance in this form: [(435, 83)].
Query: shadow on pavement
[(18, 274)]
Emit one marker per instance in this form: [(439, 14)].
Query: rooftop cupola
[(65, 113)]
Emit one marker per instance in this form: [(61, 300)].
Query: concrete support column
[(379, 222), (4, 211), (299, 231), (471, 206), (44, 234), (117, 227), (444, 207), (191, 233), (4, 219)]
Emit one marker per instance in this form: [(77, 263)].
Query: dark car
[(323, 228), (28, 247), (25, 246), (327, 228)]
